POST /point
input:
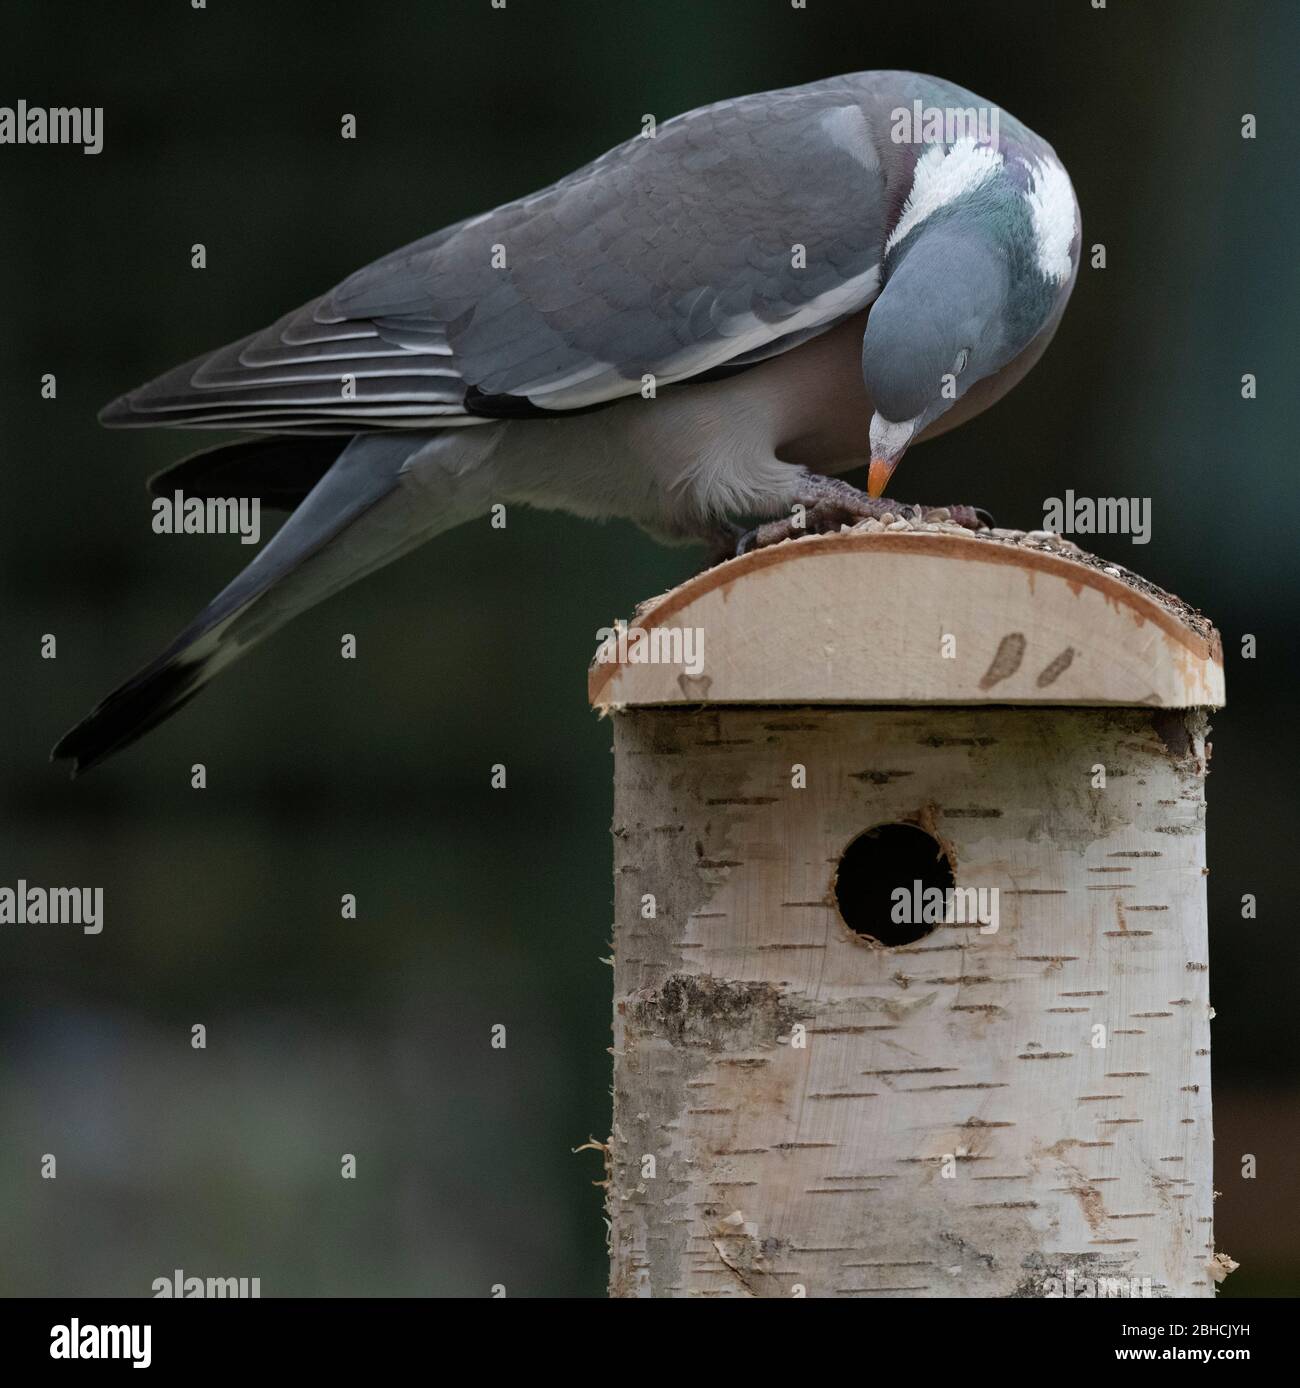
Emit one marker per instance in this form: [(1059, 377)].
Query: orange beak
[(878, 475)]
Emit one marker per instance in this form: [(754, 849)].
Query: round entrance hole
[(871, 872)]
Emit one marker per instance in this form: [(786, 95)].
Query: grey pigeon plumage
[(698, 326)]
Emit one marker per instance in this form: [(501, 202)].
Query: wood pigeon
[(708, 322)]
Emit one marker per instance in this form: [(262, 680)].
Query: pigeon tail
[(375, 503)]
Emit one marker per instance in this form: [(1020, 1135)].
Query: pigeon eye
[(960, 364)]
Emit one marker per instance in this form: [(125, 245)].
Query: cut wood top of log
[(913, 614)]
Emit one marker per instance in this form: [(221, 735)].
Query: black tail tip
[(61, 752), (128, 713)]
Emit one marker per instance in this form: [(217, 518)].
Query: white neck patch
[(1052, 207), (941, 176)]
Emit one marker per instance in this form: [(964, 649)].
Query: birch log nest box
[(910, 962)]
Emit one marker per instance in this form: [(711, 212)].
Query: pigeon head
[(966, 292)]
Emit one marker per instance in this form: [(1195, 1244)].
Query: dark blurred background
[(479, 907)]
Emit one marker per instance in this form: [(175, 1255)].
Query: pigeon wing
[(730, 234)]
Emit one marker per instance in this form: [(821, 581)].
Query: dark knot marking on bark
[(879, 778), (698, 1010)]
